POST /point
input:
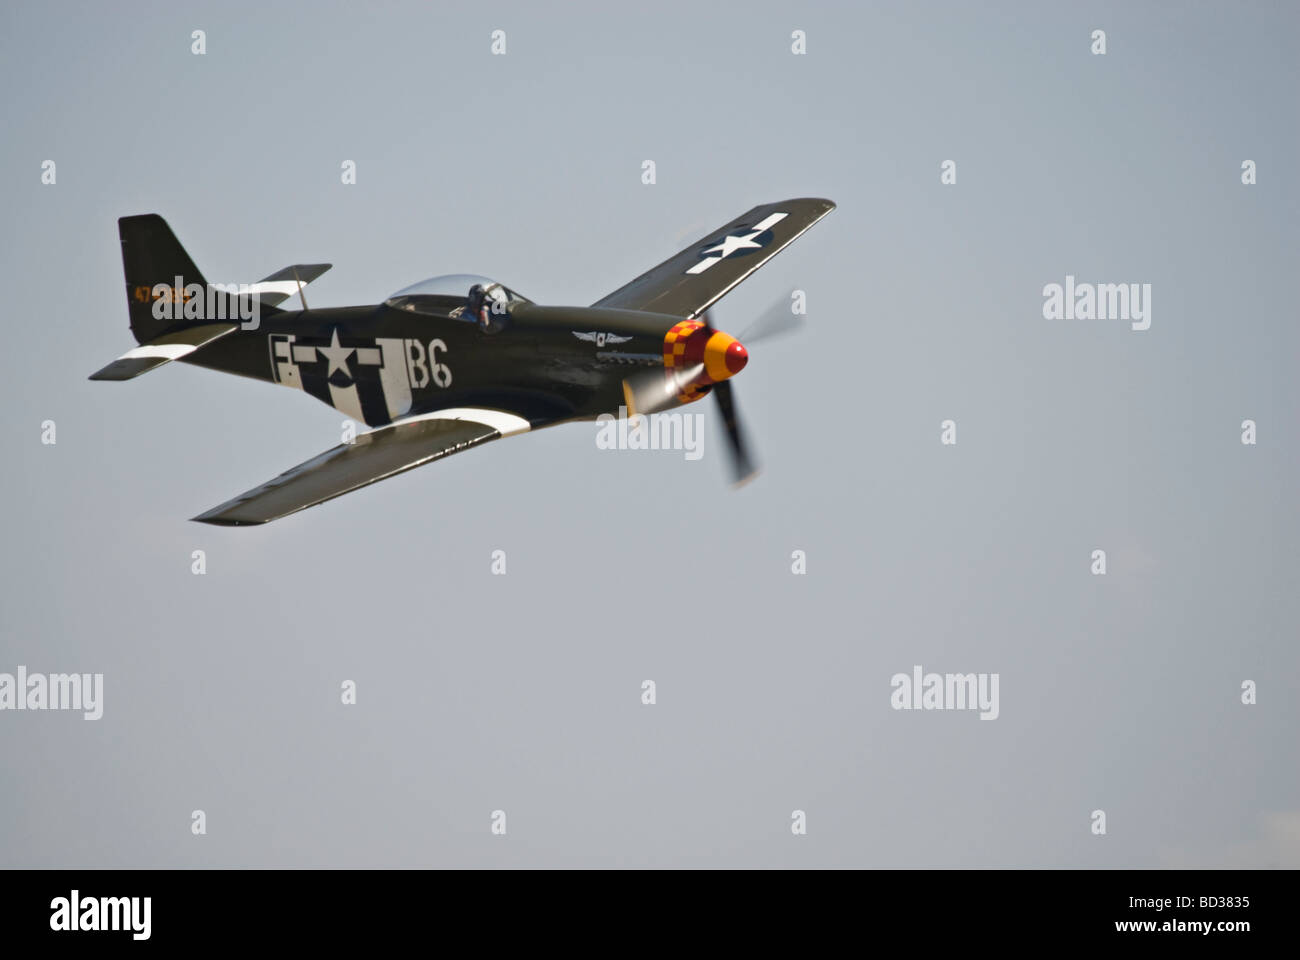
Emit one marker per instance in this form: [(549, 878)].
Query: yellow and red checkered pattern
[(675, 342)]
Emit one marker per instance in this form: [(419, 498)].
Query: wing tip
[(118, 371), (217, 520), (822, 201)]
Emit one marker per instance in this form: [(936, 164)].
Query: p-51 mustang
[(452, 362)]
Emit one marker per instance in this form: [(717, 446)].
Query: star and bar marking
[(737, 242), (337, 355)]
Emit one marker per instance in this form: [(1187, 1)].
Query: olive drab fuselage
[(379, 363)]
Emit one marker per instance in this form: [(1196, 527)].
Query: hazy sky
[(522, 692)]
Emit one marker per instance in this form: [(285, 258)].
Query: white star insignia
[(336, 355), (735, 242), (731, 244)]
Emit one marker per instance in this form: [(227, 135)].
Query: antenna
[(301, 296)]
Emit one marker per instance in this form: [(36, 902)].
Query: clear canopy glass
[(456, 285)]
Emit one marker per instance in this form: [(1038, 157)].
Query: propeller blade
[(776, 321), (653, 389), (742, 468)]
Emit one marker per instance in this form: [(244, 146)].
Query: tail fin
[(152, 257)]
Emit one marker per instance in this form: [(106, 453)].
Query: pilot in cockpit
[(488, 306)]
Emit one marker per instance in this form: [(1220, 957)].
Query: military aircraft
[(452, 362)]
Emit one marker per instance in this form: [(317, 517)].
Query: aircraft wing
[(686, 284), (373, 456)]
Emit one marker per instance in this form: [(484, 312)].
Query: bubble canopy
[(454, 285)]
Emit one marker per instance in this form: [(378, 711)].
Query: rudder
[(151, 255)]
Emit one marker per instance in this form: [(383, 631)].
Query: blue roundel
[(740, 241)]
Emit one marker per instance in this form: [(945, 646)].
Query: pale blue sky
[(522, 692)]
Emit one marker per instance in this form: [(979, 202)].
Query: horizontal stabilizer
[(155, 353), (283, 284)]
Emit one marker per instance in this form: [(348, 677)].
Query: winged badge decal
[(600, 339)]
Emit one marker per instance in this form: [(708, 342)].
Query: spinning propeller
[(699, 359)]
